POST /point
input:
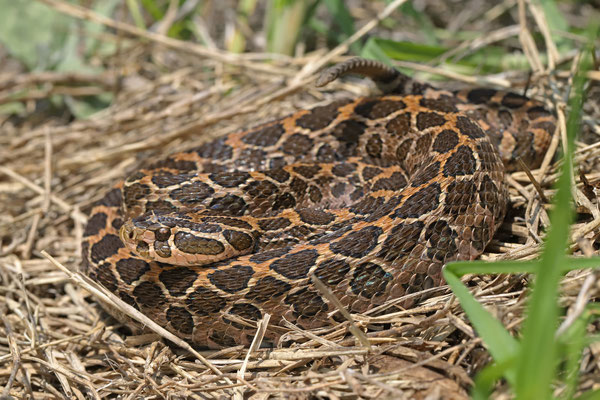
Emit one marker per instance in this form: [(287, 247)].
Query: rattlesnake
[(372, 196)]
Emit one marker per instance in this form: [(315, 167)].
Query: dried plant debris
[(56, 342)]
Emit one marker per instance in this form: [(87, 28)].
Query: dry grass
[(56, 343)]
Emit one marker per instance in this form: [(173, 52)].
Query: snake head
[(175, 240)]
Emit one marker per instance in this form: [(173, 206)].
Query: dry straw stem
[(56, 343)]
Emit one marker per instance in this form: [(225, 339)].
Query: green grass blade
[(592, 395), (574, 342), (427, 28), (284, 20), (538, 356), (487, 378), (136, 13), (501, 345), (373, 51), (341, 16), (461, 268)]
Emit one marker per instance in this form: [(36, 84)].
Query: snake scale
[(372, 196)]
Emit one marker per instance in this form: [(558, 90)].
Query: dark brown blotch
[(426, 174), (267, 289), (468, 127), (250, 159), (131, 269), (375, 109), (269, 255), (421, 202), (400, 241), (445, 141), (171, 163), (178, 280), (273, 224), (400, 125), (283, 201), (513, 100), (343, 169), (180, 319), (135, 192), (189, 243), (357, 244), (332, 271), (107, 246), (233, 222), (396, 181), (537, 112), (442, 241), (307, 171), (261, 189), (161, 207), (462, 162), (192, 193), (106, 277), (164, 179), (297, 145), (112, 199), (150, 295), (232, 280), (239, 240), (349, 131), (374, 146), (459, 196), (278, 174), (162, 234), (370, 280), (326, 153), (306, 303), (230, 179), (95, 223), (143, 249), (314, 194), (215, 150), (480, 95), (403, 150), (505, 117), (369, 173), (203, 301), (245, 311), (320, 117), (230, 205), (429, 119), (264, 136), (295, 265), (442, 104), (277, 162), (315, 217)]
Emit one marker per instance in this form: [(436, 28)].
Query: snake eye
[(162, 234)]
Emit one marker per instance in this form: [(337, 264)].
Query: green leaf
[(342, 17), (537, 361), (33, 33), (501, 345), (487, 378)]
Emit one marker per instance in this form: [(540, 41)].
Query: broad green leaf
[(33, 32)]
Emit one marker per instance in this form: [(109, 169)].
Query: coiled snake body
[(372, 196)]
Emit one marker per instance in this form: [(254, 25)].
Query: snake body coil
[(372, 196)]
